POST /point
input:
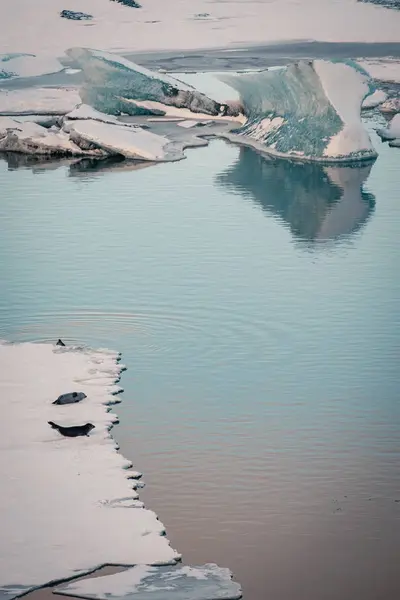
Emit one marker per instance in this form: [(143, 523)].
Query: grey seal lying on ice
[(74, 431)]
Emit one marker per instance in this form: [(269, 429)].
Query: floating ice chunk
[(27, 65), (208, 582), (374, 100), (38, 101), (31, 138), (391, 106), (131, 142), (111, 80), (392, 132), (309, 111), (65, 525)]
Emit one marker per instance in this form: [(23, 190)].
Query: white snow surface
[(63, 501), (38, 101), (208, 582), (131, 142), (26, 26)]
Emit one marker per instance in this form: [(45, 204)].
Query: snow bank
[(309, 110), (172, 24), (64, 503), (209, 582)]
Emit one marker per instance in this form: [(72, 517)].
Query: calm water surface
[(256, 304)]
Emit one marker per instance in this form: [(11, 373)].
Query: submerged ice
[(309, 110)]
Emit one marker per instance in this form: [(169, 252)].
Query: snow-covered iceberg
[(64, 502), (115, 85), (309, 110), (208, 582)]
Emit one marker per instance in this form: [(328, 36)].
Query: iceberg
[(318, 203), (308, 111), (208, 582), (116, 86)]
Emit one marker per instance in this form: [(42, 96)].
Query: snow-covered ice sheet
[(309, 110), (38, 101), (172, 24), (208, 582), (63, 501)]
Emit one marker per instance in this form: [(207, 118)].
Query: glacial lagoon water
[(256, 304)]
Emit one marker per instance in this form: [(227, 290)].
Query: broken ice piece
[(208, 582)]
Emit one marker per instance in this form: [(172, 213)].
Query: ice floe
[(63, 500), (131, 142), (309, 110), (208, 582), (27, 65), (31, 138), (38, 101)]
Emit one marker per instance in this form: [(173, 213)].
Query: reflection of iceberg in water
[(318, 202)]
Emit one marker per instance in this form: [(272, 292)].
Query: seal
[(70, 398), (74, 431), (60, 343)]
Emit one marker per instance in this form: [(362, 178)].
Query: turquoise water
[(256, 304)]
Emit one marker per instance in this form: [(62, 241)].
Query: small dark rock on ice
[(75, 16)]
